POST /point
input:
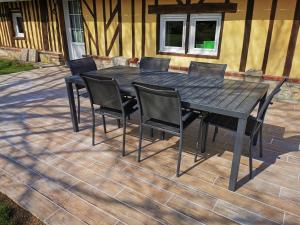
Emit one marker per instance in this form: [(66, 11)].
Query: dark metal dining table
[(203, 93)]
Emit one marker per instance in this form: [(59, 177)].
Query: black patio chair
[(254, 125), (105, 92), (207, 69), (154, 64), (161, 109), (77, 67)]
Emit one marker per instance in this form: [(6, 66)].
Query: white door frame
[(71, 45)]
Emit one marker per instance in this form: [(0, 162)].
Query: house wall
[(273, 44), (42, 29), (124, 27)]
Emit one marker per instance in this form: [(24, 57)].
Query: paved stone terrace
[(59, 177)]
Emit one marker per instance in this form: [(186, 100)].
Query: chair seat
[(187, 118), (129, 108), (230, 123)]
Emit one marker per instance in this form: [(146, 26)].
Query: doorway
[(74, 28)]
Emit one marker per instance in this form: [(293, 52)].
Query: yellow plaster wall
[(259, 31), (281, 35)]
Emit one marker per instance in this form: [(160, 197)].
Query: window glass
[(205, 33), (18, 24), (76, 21), (174, 31)]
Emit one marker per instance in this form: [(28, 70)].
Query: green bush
[(5, 214)]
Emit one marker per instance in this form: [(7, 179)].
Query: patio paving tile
[(195, 211), (291, 219), (239, 215), (149, 207), (26, 197), (72, 203), (63, 217), (112, 205), (239, 200), (142, 187)]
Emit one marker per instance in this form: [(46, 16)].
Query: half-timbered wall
[(261, 34), (42, 29)]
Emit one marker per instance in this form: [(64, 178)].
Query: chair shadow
[(228, 144)]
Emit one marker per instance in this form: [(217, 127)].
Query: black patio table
[(226, 97)]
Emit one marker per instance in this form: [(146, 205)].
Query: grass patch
[(13, 66), (5, 214), (13, 214)]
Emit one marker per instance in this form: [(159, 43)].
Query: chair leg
[(140, 143), (215, 133), (104, 123), (151, 132), (179, 154), (163, 134), (119, 123), (260, 144), (124, 135), (78, 106), (250, 158), (199, 140), (93, 129), (205, 131)]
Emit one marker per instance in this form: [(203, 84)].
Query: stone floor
[(59, 177)]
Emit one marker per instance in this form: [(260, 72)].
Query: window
[(172, 31), (204, 34), (75, 15), (18, 25)]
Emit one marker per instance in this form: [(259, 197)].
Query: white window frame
[(18, 34), (204, 17), (171, 17)]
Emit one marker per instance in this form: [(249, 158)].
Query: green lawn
[(12, 66)]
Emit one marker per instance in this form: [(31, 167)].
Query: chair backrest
[(158, 103), (79, 66), (155, 64), (207, 69), (103, 91), (262, 112)]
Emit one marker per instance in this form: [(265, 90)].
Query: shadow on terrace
[(39, 149)]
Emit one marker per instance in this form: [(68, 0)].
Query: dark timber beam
[(61, 19), (45, 21), (193, 8), (143, 26), (247, 33), (269, 35), (293, 41)]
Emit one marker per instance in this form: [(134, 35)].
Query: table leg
[(72, 106), (238, 147), (262, 101)]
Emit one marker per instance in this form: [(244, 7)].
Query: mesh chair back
[(262, 112), (158, 103), (104, 92), (155, 64), (207, 69), (79, 66)]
